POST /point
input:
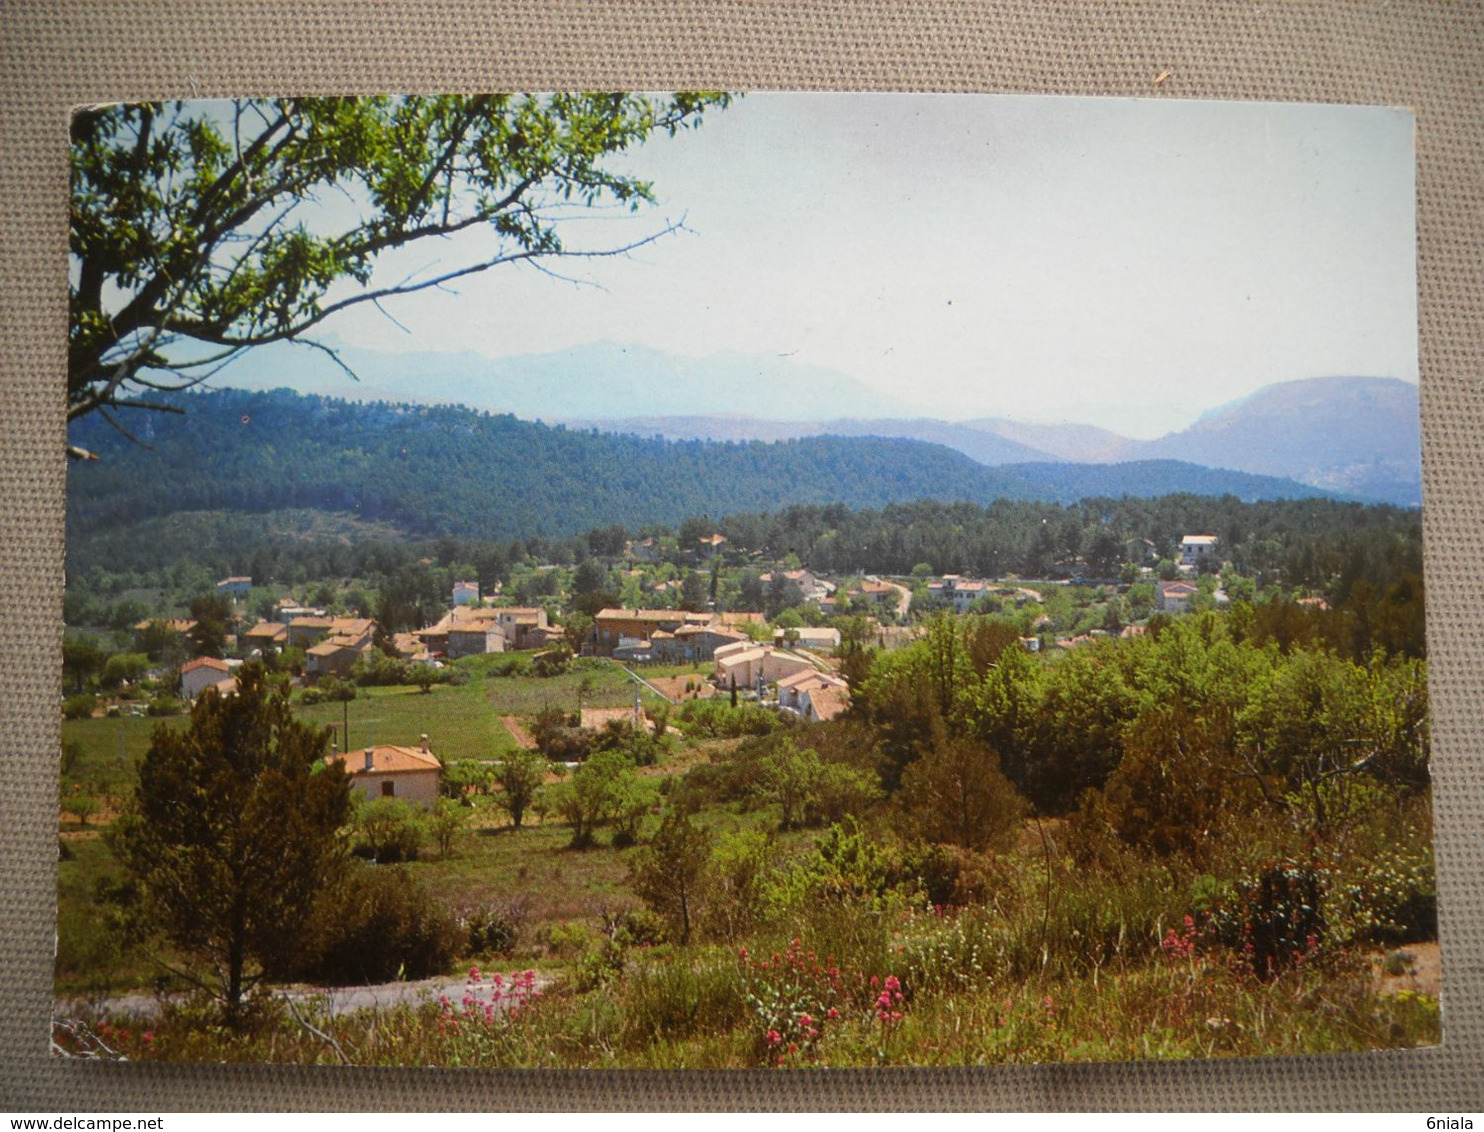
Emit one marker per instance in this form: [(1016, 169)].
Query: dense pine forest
[(450, 470)]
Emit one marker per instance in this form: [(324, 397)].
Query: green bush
[(495, 928), (1277, 919), (512, 664), (716, 718), (164, 705), (376, 925), (79, 706), (1393, 899), (390, 830), (552, 662), (328, 689)]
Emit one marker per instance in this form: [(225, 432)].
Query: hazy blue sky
[(1125, 263)]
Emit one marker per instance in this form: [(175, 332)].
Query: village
[(790, 665)]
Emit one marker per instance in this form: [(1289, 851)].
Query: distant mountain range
[(1356, 436), (433, 470), (599, 379)]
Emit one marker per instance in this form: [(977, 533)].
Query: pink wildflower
[(774, 1037), (474, 974)]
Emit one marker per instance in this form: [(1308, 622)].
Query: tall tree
[(520, 777), (232, 832), (669, 873), (200, 229), (956, 794)]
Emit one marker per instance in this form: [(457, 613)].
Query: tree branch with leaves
[(202, 229)]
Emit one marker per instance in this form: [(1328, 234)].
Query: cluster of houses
[(472, 630), (739, 662), (669, 635)]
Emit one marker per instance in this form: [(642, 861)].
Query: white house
[(749, 666), (409, 773), (958, 591), (1174, 597), (1197, 550), (206, 672), (813, 695), (820, 639)]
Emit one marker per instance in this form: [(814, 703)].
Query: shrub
[(1276, 920), (329, 689), (164, 705), (445, 819), (391, 831), (953, 953), (462, 777), (376, 668), (552, 662), (735, 899), (797, 995), (513, 664), (718, 719), (495, 928), (79, 706), (379, 924), (1393, 899), (559, 738)]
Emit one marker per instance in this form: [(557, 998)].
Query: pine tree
[(232, 833)]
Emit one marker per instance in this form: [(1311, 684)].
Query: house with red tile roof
[(386, 771), (206, 672), (813, 695)]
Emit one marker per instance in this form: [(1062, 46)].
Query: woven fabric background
[(53, 55)]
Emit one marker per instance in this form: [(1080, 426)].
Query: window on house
[(388, 789)]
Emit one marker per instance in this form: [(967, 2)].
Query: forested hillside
[(446, 470)]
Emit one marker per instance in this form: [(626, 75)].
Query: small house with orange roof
[(386, 771), (206, 672)]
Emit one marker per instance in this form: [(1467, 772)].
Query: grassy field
[(461, 721), (812, 947)]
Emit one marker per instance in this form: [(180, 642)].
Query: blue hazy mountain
[(1356, 436), (432, 470), (596, 380)]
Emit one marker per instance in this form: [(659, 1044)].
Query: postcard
[(713, 580)]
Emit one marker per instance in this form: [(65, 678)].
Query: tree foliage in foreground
[(199, 229), (232, 833)]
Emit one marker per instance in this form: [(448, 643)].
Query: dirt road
[(337, 1000)]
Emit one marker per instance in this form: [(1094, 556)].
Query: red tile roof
[(204, 662), (386, 759)]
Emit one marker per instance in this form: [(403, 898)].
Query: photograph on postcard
[(719, 580)]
